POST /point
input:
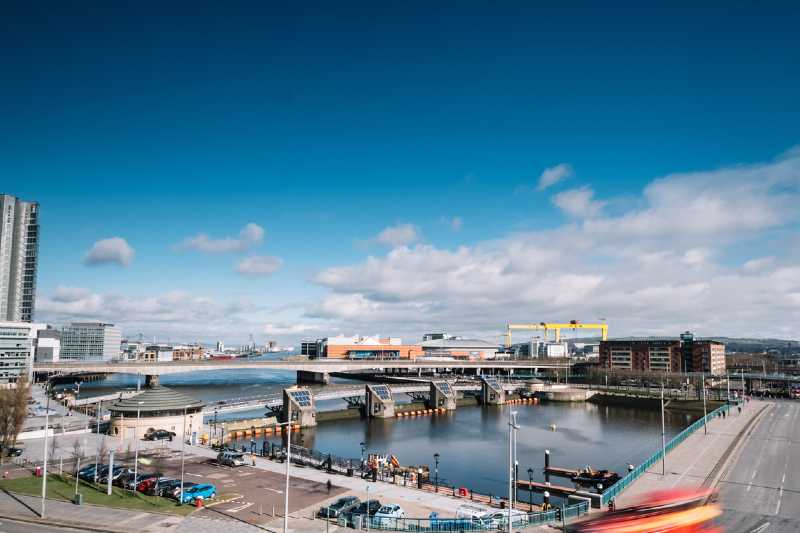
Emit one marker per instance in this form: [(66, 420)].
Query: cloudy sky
[(401, 170)]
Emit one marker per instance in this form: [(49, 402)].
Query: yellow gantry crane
[(557, 327)]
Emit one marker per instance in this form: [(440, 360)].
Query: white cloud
[(758, 264), (552, 175), (578, 203), (259, 265), (651, 268), (399, 235), (455, 223), (250, 235), (113, 251)]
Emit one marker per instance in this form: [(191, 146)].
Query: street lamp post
[(436, 471), (136, 454), (512, 426), (46, 430), (663, 436), (97, 451), (705, 414), (183, 447), (530, 489), (363, 450)]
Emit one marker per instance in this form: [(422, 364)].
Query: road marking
[(274, 490), (195, 475), (240, 508), (761, 528), (750, 485)]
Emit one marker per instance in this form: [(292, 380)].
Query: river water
[(472, 441)]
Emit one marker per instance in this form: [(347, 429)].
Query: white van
[(229, 458), (471, 512), (500, 518)]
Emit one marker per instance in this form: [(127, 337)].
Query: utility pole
[(663, 436), (705, 412), (97, 451), (512, 426), (46, 429)]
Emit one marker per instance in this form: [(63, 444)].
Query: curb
[(59, 523), (733, 448)]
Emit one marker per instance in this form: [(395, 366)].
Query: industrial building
[(537, 348), (19, 255), (357, 347), (664, 354), (452, 347), (90, 341)]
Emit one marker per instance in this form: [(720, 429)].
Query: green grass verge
[(59, 488)]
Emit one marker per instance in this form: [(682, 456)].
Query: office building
[(90, 341), (48, 346), (664, 354), (19, 253), (17, 349)]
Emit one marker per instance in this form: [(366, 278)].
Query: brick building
[(357, 347), (664, 354)]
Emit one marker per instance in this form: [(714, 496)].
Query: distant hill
[(782, 346)]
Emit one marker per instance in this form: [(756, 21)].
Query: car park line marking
[(761, 528), (276, 491), (195, 475), (240, 508)]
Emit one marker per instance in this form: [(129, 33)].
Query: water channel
[(472, 441)]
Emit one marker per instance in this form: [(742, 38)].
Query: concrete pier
[(309, 377)]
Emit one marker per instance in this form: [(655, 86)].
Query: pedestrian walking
[(329, 485)]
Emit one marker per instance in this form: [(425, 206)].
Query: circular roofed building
[(155, 408)]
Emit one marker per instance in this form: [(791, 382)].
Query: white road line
[(274, 490), (240, 508), (750, 485), (761, 528)]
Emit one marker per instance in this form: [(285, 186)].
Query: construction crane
[(557, 327)]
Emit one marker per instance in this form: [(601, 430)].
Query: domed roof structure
[(156, 401)]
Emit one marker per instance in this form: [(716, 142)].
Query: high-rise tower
[(19, 255)]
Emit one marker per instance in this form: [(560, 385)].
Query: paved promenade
[(697, 460)]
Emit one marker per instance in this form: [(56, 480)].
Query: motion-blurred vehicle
[(231, 458), (670, 511), (176, 492), (159, 434), (164, 487)]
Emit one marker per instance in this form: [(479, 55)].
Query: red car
[(147, 482)]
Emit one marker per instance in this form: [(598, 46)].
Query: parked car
[(231, 458), (147, 481), (364, 509), (203, 491), (13, 451), (159, 434), (341, 506), (87, 472), (164, 487), (186, 486), (116, 473), (388, 515), (500, 518)]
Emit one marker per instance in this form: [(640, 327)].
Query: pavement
[(760, 489)]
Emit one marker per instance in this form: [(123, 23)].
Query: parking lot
[(246, 493)]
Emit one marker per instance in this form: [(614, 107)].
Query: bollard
[(547, 465)]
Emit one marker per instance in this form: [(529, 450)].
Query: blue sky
[(325, 125)]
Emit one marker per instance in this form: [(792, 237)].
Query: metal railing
[(459, 525), (617, 488)]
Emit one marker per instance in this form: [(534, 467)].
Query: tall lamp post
[(99, 438), (46, 430), (663, 436), (136, 454), (183, 447), (363, 450), (705, 414), (436, 471), (530, 489), (512, 426)]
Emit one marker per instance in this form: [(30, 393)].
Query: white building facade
[(19, 254), (17, 349), (90, 341)]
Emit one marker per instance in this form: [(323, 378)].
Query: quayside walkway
[(698, 460)]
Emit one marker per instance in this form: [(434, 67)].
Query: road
[(760, 492), (10, 526)]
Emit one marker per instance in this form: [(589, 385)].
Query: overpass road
[(760, 492), (317, 366)]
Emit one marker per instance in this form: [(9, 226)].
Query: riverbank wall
[(689, 406)]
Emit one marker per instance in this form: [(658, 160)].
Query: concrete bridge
[(308, 371), (274, 401)]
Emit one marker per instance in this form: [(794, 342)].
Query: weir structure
[(298, 407), (379, 401), (442, 395), (492, 392)]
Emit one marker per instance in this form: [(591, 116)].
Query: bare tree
[(102, 449), (54, 448), (77, 454), (13, 411)]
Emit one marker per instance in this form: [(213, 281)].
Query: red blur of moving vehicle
[(670, 511)]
